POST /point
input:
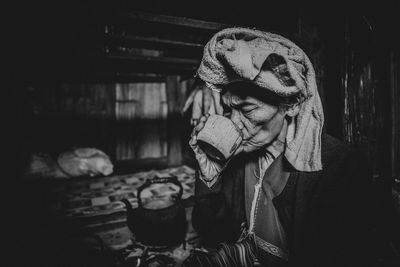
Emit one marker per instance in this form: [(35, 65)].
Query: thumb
[(217, 103), (189, 101), (197, 109), (239, 150)]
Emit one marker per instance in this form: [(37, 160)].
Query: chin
[(249, 147)]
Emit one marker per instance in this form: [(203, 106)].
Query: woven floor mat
[(101, 196)]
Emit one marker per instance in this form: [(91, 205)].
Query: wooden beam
[(395, 111), (157, 40), (141, 75), (129, 77), (161, 59), (102, 64), (179, 21)]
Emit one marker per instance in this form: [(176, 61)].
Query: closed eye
[(249, 108)]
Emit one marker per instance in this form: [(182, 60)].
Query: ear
[(293, 110)]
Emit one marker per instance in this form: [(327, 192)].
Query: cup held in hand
[(219, 138)]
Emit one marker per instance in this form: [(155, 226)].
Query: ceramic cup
[(219, 138)]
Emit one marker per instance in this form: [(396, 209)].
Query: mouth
[(248, 140), (248, 143)]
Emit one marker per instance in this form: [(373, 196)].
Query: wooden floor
[(84, 219)]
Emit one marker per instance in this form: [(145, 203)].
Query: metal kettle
[(163, 227)]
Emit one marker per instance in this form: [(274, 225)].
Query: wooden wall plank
[(147, 39), (175, 99), (162, 59), (367, 101), (395, 108), (70, 114), (165, 19), (140, 111)]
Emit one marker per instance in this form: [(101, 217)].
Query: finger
[(207, 99), (197, 105), (193, 133), (200, 125), (217, 103), (193, 140), (194, 122), (211, 111), (189, 101)]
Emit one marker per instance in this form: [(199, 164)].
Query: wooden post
[(175, 98), (395, 98)]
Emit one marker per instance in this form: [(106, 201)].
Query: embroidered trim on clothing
[(270, 248)]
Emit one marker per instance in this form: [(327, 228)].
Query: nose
[(235, 117)]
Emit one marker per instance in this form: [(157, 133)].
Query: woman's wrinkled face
[(259, 121)]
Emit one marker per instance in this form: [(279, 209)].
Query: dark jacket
[(325, 213)]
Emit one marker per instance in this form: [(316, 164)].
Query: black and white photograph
[(201, 134)]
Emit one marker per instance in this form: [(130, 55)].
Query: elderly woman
[(290, 196)]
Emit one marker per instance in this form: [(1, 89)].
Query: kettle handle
[(159, 180)]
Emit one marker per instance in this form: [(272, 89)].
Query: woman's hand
[(205, 101), (209, 169)]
